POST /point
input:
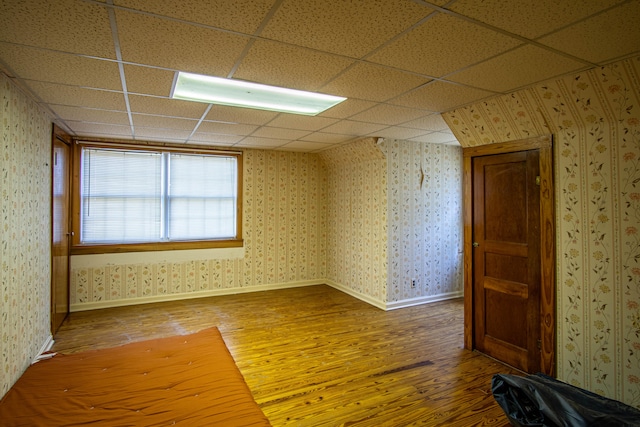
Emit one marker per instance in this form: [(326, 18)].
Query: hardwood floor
[(315, 356)]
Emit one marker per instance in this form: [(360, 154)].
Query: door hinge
[(539, 344), (538, 180)]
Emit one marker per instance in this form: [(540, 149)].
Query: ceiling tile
[(432, 122), (170, 135), (65, 25), (91, 115), (289, 66), (440, 96), (618, 33), (226, 128), (215, 138), (306, 146), (279, 133), (166, 107), (349, 127), (453, 43), (100, 130), (48, 66), (530, 18), (148, 81), (176, 45), (517, 68), (244, 16), (163, 122), (347, 108), (221, 113), (389, 114), (329, 138), (296, 121), (373, 83), (351, 28), (397, 132), (437, 138), (254, 142), (76, 96)]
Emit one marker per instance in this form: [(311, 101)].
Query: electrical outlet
[(413, 283)]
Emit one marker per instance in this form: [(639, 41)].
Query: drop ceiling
[(104, 69)]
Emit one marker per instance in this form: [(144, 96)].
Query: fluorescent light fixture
[(238, 93)]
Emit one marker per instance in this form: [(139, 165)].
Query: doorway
[(509, 253), (60, 190)]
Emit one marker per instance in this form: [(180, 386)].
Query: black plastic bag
[(541, 401)]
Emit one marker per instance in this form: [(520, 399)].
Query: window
[(154, 199)]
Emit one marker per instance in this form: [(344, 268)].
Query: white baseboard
[(191, 295), (383, 305), (366, 298), (394, 305), (46, 346)]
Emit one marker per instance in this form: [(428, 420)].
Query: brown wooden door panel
[(504, 198), (506, 234)]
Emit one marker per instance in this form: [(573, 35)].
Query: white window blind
[(121, 194), (202, 197), (141, 196)]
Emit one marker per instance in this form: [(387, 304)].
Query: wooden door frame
[(547, 242), (59, 134)]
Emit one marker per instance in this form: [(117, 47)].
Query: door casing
[(547, 242), (60, 229)]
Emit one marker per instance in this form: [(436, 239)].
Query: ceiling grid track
[(123, 80)]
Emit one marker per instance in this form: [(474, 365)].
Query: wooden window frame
[(78, 248)]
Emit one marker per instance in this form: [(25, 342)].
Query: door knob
[(476, 244)]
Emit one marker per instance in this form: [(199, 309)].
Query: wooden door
[(506, 257), (60, 230)]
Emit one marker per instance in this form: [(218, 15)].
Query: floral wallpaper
[(284, 242), (25, 231), (425, 221), (295, 206), (395, 214), (594, 117), (357, 220)]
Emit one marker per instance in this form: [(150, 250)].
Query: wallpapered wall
[(296, 206), (425, 221), (284, 200), (395, 214), (25, 231), (357, 220), (595, 119)]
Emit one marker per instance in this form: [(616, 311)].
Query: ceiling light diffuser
[(238, 93)]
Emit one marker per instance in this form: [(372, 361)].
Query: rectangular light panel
[(237, 93)]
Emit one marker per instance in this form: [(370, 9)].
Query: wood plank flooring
[(315, 356)]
